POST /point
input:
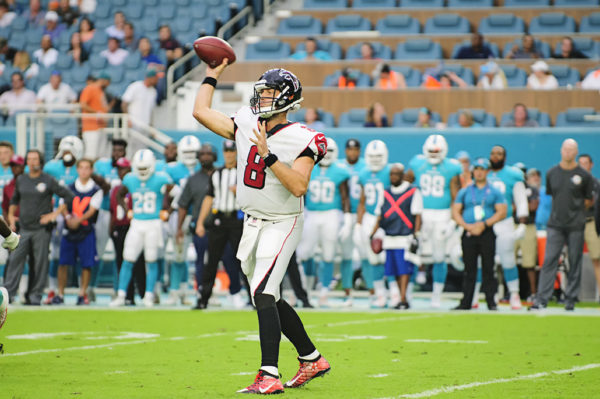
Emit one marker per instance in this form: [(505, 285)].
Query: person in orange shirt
[(389, 79), (93, 100)]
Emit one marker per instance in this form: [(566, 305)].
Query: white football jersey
[(259, 191)]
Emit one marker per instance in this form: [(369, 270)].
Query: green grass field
[(183, 354)]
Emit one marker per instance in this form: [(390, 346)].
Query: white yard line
[(369, 321), (79, 348), (450, 389), (445, 341)]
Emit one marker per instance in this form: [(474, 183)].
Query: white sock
[(394, 289), (513, 286), (121, 294), (311, 357), (324, 291), (438, 288), (53, 283), (409, 291), (271, 370)]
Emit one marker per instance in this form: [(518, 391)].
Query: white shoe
[(436, 301), (515, 301), (238, 301), (348, 302), (148, 300), (173, 298), (117, 302), (394, 300), (380, 302)]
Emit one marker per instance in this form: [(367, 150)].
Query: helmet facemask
[(287, 93)]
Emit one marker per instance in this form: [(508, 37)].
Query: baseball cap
[(150, 73), (123, 163), (51, 16), (104, 75), (483, 163), (462, 155), (229, 145), (17, 160), (56, 72), (352, 143)]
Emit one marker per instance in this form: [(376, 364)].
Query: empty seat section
[(565, 75), (576, 117), (267, 49), (421, 3), (526, 3), (353, 118), (501, 24), (443, 24), (347, 23), (300, 25), (418, 49), (576, 3), (590, 23), (411, 75), (325, 3), (515, 76), (470, 3), (552, 22), (373, 3), (398, 25)]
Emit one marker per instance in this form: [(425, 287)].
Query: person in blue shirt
[(311, 52), (477, 208), (148, 189), (327, 196), (373, 179)]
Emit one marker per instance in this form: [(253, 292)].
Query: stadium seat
[(326, 117), (118, 3), (515, 76), (353, 118), (552, 22), (150, 3), (33, 36), (586, 45), (501, 24), (267, 49), (80, 73), (17, 40), (398, 25), (64, 63), (373, 3), (590, 23), (542, 47), (134, 11), (346, 23), (182, 3), (149, 24), (575, 117), (526, 3), (418, 49), (300, 25), (470, 3), (167, 12), (133, 61), (334, 49), (19, 24), (576, 3), (102, 11), (493, 48), (479, 115), (443, 24), (131, 75), (465, 74), (409, 116), (542, 118), (411, 75), (421, 3), (380, 51), (198, 12), (331, 80), (565, 74), (325, 3), (183, 26), (116, 73), (96, 62)]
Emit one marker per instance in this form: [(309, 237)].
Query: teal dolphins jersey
[(179, 173), (434, 180), (353, 185), (373, 184), (504, 180), (104, 168), (324, 187), (64, 174), (147, 196), (161, 166)]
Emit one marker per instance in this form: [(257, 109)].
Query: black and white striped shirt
[(221, 182)]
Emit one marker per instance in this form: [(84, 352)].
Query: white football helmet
[(72, 145), (376, 155), (435, 149), (187, 150), (332, 153), (143, 164)]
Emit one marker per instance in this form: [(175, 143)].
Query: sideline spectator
[(22, 63), (53, 28), (6, 16), (151, 59), (590, 235), (34, 15), (367, 52), (520, 118), (68, 15), (424, 118), (117, 29), (93, 100), (465, 120), (7, 53), (33, 196), (168, 43), (76, 49), (541, 78), (311, 52), (466, 177), (46, 55), (114, 54), (526, 50), (491, 77), (130, 40), (477, 50), (17, 167), (571, 188), (56, 91), (139, 101), (443, 81), (376, 116), (568, 50), (592, 80), (389, 79), (348, 79), (312, 119), (86, 30), (476, 209), (18, 98)]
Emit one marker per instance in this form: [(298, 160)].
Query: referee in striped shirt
[(222, 217)]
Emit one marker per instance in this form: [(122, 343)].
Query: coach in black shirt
[(571, 188)]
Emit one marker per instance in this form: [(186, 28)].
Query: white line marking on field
[(244, 373), (79, 348), (379, 375), (116, 372), (450, 389), (445, 341), (44, 335), (369, 321)]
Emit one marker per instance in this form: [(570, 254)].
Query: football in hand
[(213, 50)]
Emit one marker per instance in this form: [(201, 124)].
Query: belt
[(589, 219), (226, 214)]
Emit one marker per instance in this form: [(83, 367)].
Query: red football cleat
[(264, 384), (48, 300), (308, 371)]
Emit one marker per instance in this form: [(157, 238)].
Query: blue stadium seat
[(17, 40), (411, 75), (470, 3), (465, 74), (590, 23), (565, 74), (134, 11), (117, 74), (409, 116), (542, 47), (542, 118), (373, 3), (199, 12), (63, 63), (501, 24), (526, 3), (586, 45), (334, 49), (79, 73), (443, 24), (418, 49), (150, 3), (132, 75), (118, 4), (183, 26), (346, 23), (182, 3), (380, 51), (331, 80), (102, 11), (493, 48), (479, 115), (355, 117), (325, 3), (133, 61), (552, 22), (576, 3), (398, 25), (325, 117), (19, 24), (575, 117), (515, 76), (149, 24), (33, 36), (300, 25), (421, 3), (267, 49), (96, 61), (167, 12)]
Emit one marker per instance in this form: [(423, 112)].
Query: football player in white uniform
[(275, 161)]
